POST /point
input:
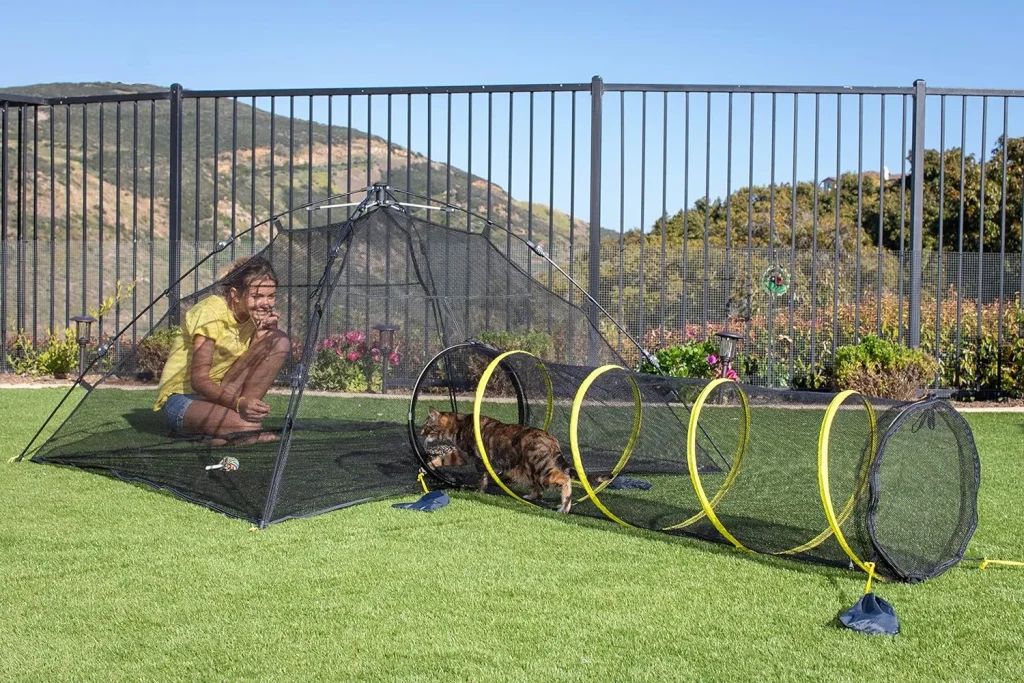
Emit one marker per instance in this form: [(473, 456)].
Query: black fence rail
[(887, 211)]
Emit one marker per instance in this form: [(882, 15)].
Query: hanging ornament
[(775, 280)]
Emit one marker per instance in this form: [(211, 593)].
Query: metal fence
[(893, 211)]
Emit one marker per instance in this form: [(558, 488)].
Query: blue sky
[(317, 43)]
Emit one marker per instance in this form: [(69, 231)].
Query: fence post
[(917, 213), (3, 236), (21, 296), (594, 253), (174, 248)]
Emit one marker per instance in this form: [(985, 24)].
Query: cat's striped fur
[(525, 455)]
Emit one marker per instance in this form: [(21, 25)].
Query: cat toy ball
[(228, 464)]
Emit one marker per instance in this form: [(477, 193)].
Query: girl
[(227, 356)]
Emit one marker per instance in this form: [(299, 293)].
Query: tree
[(874, 217)]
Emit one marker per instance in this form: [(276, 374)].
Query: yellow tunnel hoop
[(574, 441), (481, 388), (835, 521), (858, 491), (823, 485), (691, 457), (737, 460)]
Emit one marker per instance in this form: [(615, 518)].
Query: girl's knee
[(279, 341), (275, 342)]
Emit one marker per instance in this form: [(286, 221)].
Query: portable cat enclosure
[(839, 479)]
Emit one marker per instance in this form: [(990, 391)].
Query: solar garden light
[(385, 351), (727, 342), (83, 327)]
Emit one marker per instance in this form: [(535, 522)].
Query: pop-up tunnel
[(834, 478)]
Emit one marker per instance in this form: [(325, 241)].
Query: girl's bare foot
[(248, 439)]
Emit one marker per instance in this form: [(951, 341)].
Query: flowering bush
[(347, 362), (716, 367)]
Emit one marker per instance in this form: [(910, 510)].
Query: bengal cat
[(526, 455)]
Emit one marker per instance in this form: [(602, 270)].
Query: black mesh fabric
[(437, 285), (924, 491)]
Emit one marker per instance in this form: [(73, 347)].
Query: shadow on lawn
[(833, 574)]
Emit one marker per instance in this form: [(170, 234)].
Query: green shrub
[(153, 352), (57, 356), (539, 344), (689, 359), (878, 367), (332, 373), (22, 356), (810, 377)]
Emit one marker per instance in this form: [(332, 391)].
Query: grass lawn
[(105, 580)]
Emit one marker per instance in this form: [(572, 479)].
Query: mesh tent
[(838, 479), (386, 267)]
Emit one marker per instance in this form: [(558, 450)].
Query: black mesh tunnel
[(448, 383), (831, 478), (924, 491)]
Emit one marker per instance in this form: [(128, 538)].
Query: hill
[(265, 162)]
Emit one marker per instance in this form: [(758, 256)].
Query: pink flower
[(375, 354), (353, 356), (731, 374), (712, 360), (340, 353), (394, 358), (354, 337)]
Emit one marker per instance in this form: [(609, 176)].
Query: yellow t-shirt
[(211, 318)]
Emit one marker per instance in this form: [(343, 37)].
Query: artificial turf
[(106, 580)]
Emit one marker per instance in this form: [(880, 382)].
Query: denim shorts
[(175, 408)]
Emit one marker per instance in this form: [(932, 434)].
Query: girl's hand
[(266, 321), (253, 410)]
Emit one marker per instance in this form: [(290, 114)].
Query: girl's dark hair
[(245, 271)]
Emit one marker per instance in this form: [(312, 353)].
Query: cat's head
[(439, 427), (445, 455)]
